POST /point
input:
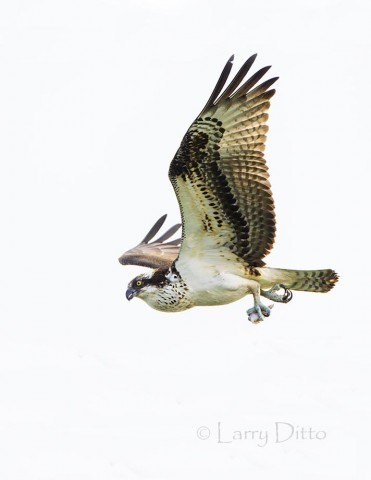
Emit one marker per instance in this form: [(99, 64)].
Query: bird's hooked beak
[(130, 293)]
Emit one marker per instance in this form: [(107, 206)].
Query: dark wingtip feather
[(240, 75), (177, 241), (219, 84), (169, 233), (261, 88), (156, 227), (251, 82), (272, 81)]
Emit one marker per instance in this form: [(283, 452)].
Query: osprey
[(221, 182)]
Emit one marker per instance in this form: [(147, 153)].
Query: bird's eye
[(139, 283), (175, 276)]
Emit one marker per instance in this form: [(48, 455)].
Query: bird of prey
[(221, 183)]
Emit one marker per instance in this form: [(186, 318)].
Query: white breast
[(210, 286)]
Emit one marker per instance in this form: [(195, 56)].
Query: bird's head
[(146, 284)]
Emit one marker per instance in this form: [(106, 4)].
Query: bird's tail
[(304, 280)]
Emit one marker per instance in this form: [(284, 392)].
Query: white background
[(95, 97)]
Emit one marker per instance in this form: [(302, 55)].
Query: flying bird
[(220, 179)]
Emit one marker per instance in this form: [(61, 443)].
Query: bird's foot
[(276, 297), (258, 312)]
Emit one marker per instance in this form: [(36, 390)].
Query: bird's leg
[(274, 296), (257, 313)]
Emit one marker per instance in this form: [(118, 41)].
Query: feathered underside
[(219, 173), (155, 254)]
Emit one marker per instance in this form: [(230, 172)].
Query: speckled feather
[(219, 173)]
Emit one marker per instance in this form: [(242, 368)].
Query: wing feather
[(156, 227), (156, 254), (220, 176), (251, 82), (238, 78), (219, 85)]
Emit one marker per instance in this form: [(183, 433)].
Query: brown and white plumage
[(221, 182), (219, 173), (155, 254)]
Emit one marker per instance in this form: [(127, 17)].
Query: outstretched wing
[(220, 176), (156, 254)]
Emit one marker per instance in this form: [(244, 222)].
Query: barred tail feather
[(303, 280)]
